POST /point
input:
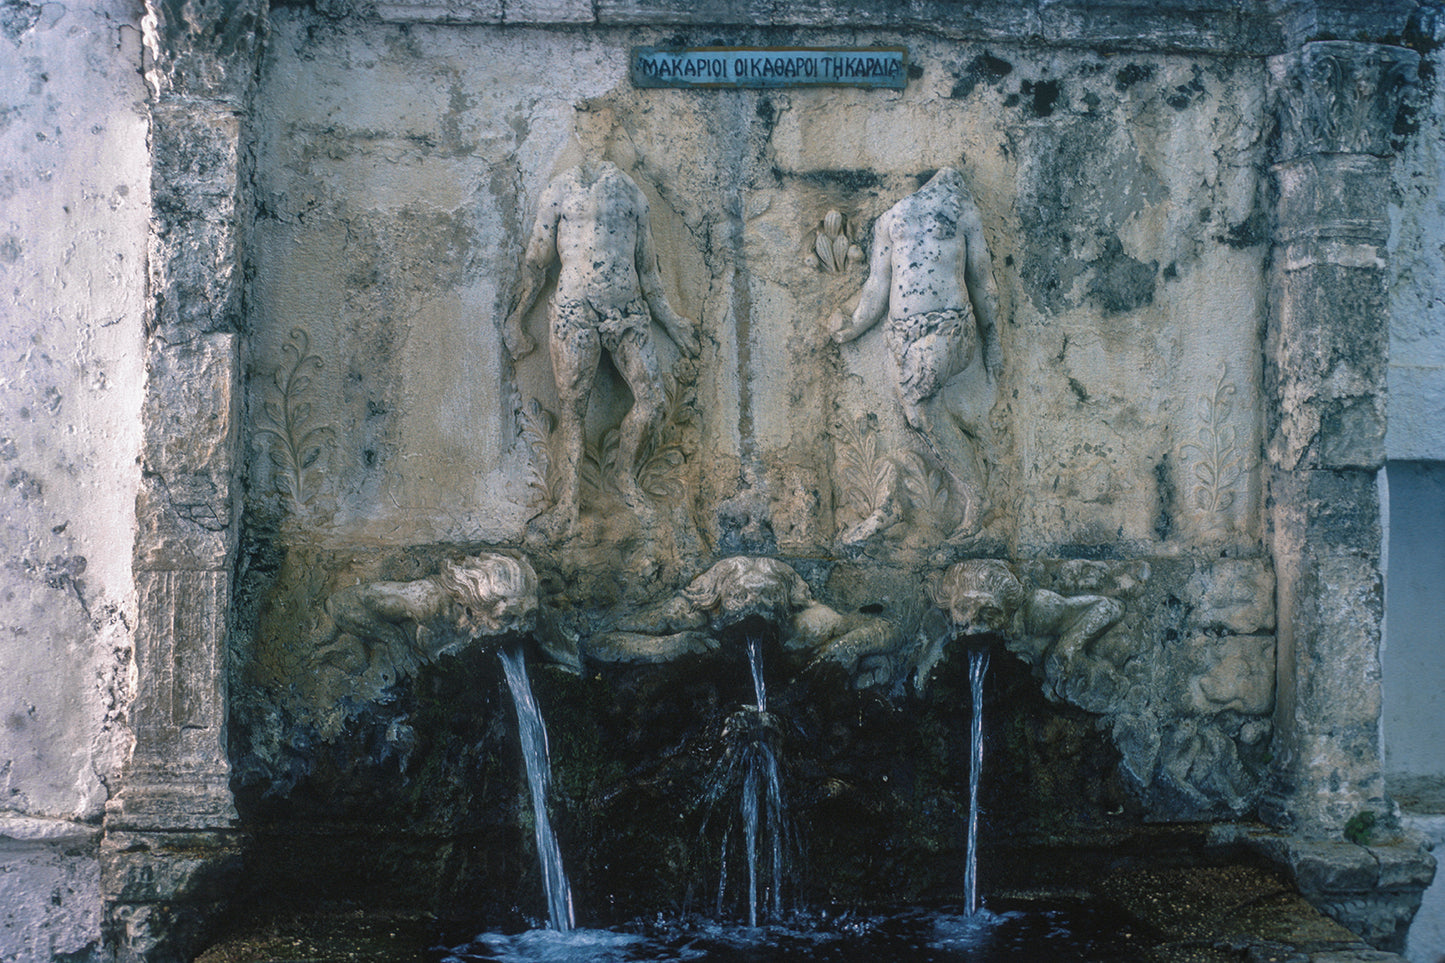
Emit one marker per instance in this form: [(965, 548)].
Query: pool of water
[(1066, 933)]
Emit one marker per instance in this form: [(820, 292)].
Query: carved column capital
[(1340, 97), (203, 48)]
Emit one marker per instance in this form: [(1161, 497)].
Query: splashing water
[(749, 771), (533, 733), (977, 669), (762, 798)]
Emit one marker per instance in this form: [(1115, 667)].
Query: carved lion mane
[(743, 585), (964, 590), (498, 590)]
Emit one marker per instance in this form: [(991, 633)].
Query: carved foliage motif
[(660, 459), (1337, 97), (296, 445), (833, 249), (1220, 462), (535, 425), (869, 478), (865, 473)]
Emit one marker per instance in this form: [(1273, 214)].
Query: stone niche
[(399, 173), (1113, 489)]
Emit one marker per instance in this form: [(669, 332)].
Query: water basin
[(1072, 932)]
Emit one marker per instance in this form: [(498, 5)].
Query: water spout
[(977, 670), (533, 733)]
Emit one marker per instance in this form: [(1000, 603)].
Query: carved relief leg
[(956, 450), (924, 367), (576, 349), (1084, 619), (637, 363)]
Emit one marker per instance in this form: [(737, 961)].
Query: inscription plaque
[(770, 67)]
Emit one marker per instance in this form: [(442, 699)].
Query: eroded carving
[(739, 589), (1190, 718), (833, 250), (399, 626), (983, 597), (1220, 463), (656, 469), (878, 489), (593, 221), (929, 273), (296, 445), (1340, 97)]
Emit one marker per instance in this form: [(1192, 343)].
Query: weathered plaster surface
[(74, 203), (1417, 288)]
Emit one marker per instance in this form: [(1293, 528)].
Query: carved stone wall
[(346, 359)]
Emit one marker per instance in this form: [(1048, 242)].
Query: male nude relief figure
[(593, 219), (929, 272)]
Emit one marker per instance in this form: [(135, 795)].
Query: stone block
[(1332, 867), (1336, 624), (1341, 97), (1234, 673), (982, 19), (1232, 595), (154, 932), (1405, 865), (548, 11), (1338, 197), (178, 775), (195, 274), (158, 795), (180, 643), (440, 11), (190, 410), (682, 12), (49, 902), (184, 523), (196, 156), (205, 50), (1328, 346), (1319, 19), (1191, 25), (1326, 512), (167, 867)]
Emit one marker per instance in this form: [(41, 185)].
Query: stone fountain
[(1063, 351)]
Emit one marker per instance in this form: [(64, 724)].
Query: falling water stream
[(748, 778), (762, 796), (533, 733), (977, 669), (746, 789)]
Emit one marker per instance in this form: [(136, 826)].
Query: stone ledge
[(20, 830), (1231, 27), (1375, 890)]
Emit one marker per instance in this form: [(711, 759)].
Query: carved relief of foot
[(883, 518), (637, 502), (557, 524), (975, 514)]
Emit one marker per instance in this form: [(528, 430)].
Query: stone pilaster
[(1326, 359), (170, 845)]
